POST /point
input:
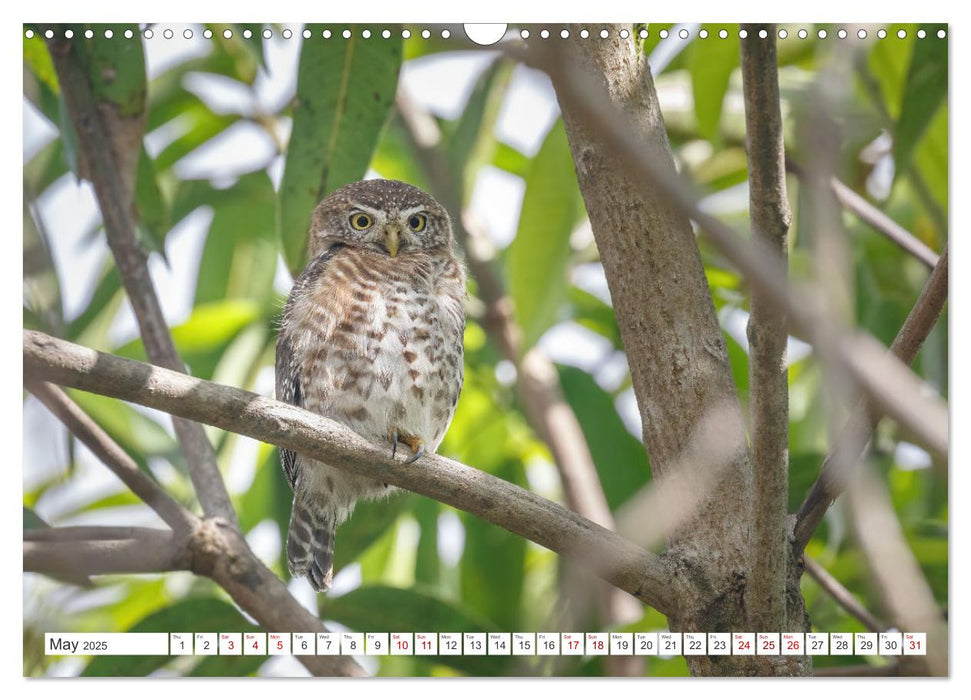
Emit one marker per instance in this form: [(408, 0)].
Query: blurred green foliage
[(342, 124)]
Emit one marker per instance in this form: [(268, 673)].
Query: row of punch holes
[(682, 33)]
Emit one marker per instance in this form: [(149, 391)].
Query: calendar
[(366, 343)]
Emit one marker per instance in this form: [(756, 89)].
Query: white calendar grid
[(665, 644)]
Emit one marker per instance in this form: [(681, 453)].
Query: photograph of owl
[(371, 337)]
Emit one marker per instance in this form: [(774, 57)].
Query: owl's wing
[(288, 371)]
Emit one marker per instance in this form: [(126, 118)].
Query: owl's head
[(387, 216)]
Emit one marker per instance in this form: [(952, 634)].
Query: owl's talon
[(418, 452), (394, 444)]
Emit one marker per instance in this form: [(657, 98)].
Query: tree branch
[(643, 574), (767, 333), (107, 166), (113, 456), (892, 387), (832, 480), (57, 553), (841, 595)]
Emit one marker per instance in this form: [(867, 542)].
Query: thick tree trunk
[(676, 351)]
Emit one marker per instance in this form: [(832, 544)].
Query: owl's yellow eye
[(417, 222), (361, 221)]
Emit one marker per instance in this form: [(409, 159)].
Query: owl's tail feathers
[(310, 544)]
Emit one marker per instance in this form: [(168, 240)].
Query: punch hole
[(386, 33), (584, 34), (882, 34), (902, 34), (743, 34), (683, 34), (821, 33), (68, 33), (247, 34), (783, 34), (168, 34), (624, 33), (88, 34), (484, 34), (861, 34), (148, 33), (49, 34), (446, 34), (129, 33), (228, 34), (524, 33), (723, 34), (366, 34), (326, 34), (763, 34), (803, 33), (643, 33), (941, 33), (425, 34), (564, 34), (109, 34), (306, 34), (604, 33), (29, 33), (841, 33), (346, 33), (405, 33), (288, 33), (207, 34), (187, 33), (545, 34), (921, 33)]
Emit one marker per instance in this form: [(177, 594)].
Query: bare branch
[(832, 481), (114, 457), (892, 388), (61, 554), (114, 187), (92, 532), (895, 572), (640, 573), (841, 595), (767, 333)]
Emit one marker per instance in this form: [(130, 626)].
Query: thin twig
[(767, 333), (114, 187), (113, 456), (831, 481), (640, 573), (841, 595)]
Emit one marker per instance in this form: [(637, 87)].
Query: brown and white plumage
[(371, 337)]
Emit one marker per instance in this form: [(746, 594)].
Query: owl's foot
[(416, 444)]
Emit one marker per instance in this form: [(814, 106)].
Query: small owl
[(371, 337)]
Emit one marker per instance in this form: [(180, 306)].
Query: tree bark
[(675, 348)]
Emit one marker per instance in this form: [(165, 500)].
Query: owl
[(371, 337)]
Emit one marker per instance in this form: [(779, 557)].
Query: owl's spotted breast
[(386, 352)]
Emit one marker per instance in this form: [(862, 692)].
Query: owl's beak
[(391, 240)]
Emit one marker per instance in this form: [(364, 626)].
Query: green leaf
[(620, 458), (924, 92), (493, 566), (473, 142), (345, 91), (38, 59), (190, 616), (387, 609), (370, 520), (711, 62), (427, 562), (511, 160), (42, 288), (536, 261), (590, 312), (239, 258), (32, 521), (153, 210)]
